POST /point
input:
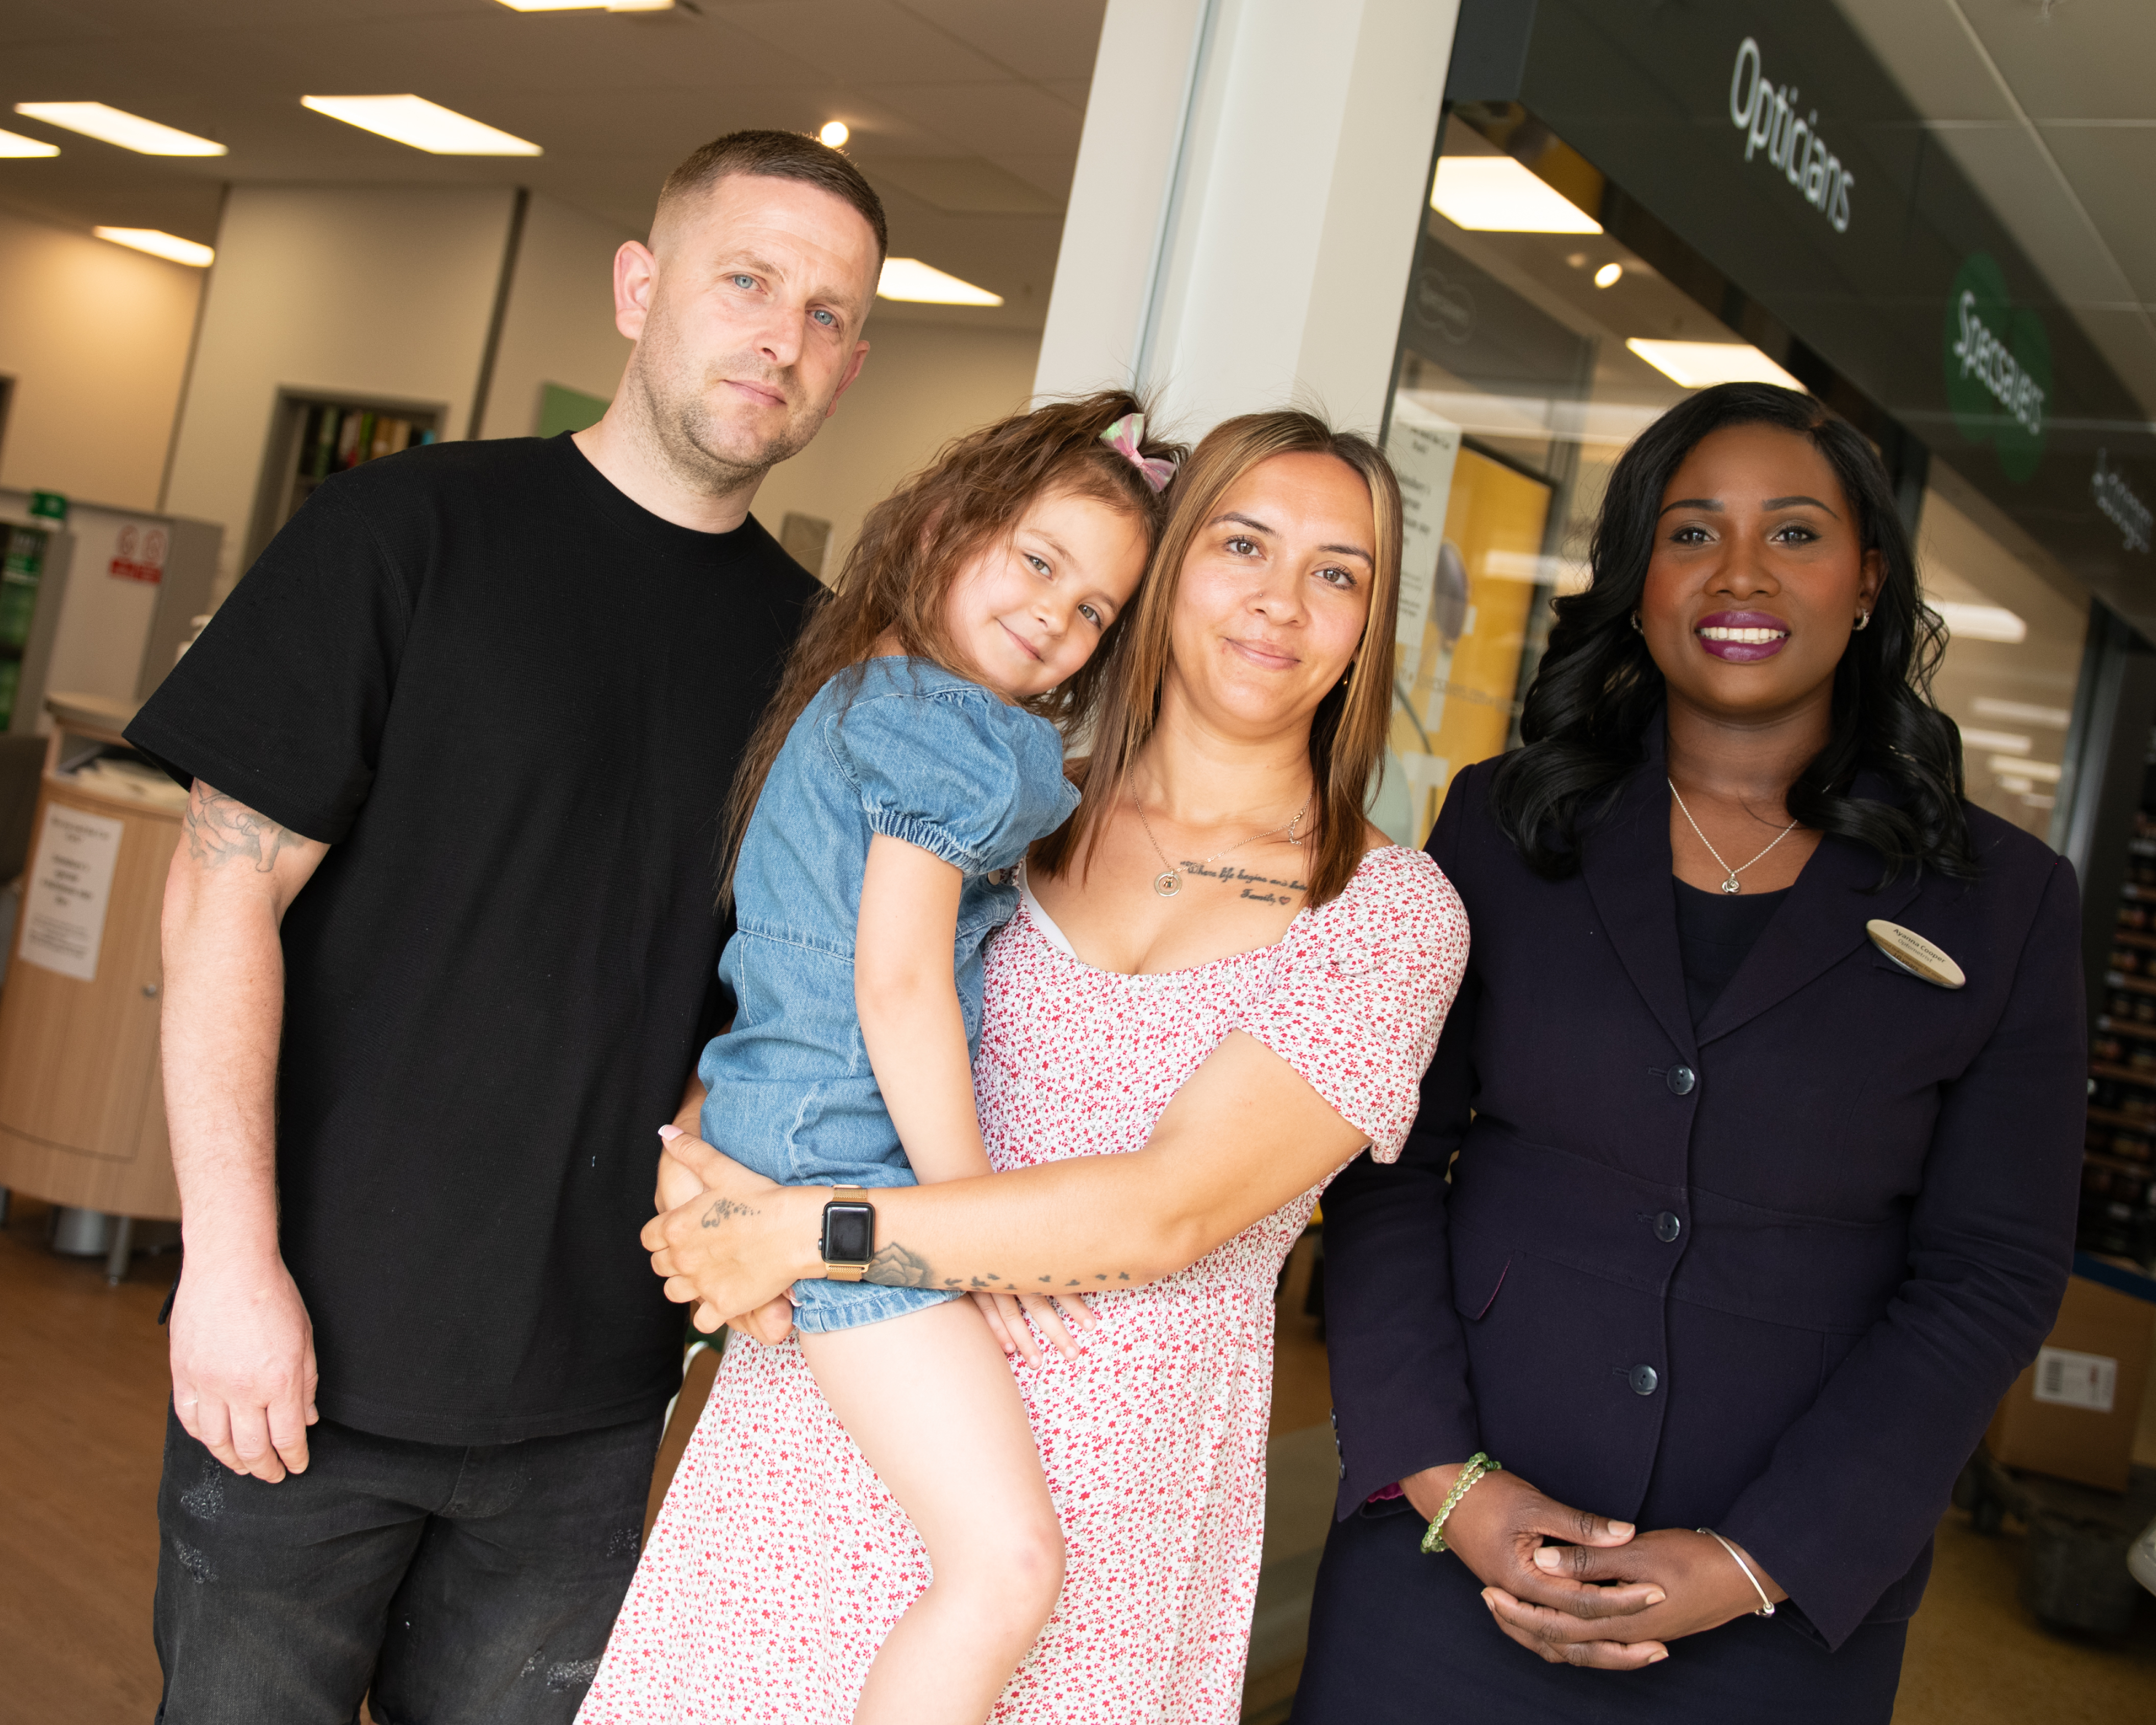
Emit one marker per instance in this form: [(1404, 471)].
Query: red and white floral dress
[(779, 1562)]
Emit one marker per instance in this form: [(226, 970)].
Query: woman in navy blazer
[(1750, 1225)]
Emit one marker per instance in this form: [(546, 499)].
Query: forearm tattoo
[(222, 830), (1275, 889), (900, 1266)]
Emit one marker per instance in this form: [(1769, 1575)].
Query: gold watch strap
[(846, 1273)]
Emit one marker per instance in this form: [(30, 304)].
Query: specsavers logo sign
[(1998, 361)]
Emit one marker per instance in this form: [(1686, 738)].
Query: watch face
[(849, 1233)]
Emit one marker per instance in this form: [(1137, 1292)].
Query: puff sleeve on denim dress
[(897, 747)]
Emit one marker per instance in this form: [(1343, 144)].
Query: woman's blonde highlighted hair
[(1347, 731)]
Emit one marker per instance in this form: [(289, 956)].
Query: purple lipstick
[(1742, 637)]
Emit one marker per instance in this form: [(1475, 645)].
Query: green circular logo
[(1998, 361)]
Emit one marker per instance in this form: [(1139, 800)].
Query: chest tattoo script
[(1259, 889)]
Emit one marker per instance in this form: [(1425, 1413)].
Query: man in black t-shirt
[(457, 749)]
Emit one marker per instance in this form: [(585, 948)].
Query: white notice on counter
[(70, 885), (1423, 448)]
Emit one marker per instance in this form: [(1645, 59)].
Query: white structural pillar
[(1250, 186)]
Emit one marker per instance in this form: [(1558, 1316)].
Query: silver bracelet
[(1766, 1606)]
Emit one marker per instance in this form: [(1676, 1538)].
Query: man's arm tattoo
[(724, 1210), (220, 829)]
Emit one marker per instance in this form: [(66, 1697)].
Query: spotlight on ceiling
[(160, 245), (1608, 276), (910, 278), (114, 126), (835, 134)]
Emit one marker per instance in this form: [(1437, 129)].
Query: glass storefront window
[(2013, 652), (1530, 357), (1532, 351)]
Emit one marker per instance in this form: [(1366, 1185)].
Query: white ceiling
[(965, 113), (2049, 106)]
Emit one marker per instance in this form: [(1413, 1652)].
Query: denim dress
[(898, 746)]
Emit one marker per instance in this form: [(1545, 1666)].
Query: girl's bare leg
[(930, 1400)]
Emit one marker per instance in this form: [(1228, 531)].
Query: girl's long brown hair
[(912, 545), (1347, 732)]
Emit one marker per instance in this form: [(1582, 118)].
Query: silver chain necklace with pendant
[(1733, 884), (1169, 881)]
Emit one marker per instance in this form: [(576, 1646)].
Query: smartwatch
[(848, 1235)]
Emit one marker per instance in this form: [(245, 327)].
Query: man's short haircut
[(776, 155)]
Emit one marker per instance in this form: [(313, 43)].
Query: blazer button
[(1644, 1379), (1683, 1078), (1668, 1225)]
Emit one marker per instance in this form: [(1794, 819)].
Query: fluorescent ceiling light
[(111, 125), (160, 245), (13, 143), (910, 278), (1495, 194), (1697, 364), (1980, 623), (589, 5), (2007, 742), (422, 124)]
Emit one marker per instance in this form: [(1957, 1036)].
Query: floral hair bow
[(1122, 437)]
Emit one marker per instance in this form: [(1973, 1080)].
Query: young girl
[(914, 751)]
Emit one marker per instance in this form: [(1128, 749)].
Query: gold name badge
[(1915, 954)]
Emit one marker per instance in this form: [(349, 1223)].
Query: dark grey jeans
[(461, 1586)]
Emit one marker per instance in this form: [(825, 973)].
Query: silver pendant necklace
[(1733, 884), (1169, 881)]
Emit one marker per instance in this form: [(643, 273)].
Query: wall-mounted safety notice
[(70, 885)]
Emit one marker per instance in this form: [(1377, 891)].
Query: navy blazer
[(1770, 1277)]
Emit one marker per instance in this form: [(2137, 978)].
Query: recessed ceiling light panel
[(1698, 364), (1495, 194), (421, 124), (14, 144), (911, 279), (160, 245), (114, 126)]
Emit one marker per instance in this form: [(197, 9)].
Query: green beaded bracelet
[(1478, 1464)]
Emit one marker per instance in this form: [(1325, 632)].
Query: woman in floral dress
[(1221, 985)]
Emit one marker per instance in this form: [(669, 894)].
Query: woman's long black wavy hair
[(1586, 714)]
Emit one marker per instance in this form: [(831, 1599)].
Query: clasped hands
[(1611, 1598), (719, 1240)]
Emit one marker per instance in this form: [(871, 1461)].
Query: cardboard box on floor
[(2074, 1412)]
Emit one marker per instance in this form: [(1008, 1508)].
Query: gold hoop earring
[(1863, 622)]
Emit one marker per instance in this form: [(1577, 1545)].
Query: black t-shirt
[(510, 701), (1715, 931)]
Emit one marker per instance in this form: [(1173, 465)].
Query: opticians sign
[(1789, 140), (1998, 361)]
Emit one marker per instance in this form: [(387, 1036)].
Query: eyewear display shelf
[(2118, 1179)]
